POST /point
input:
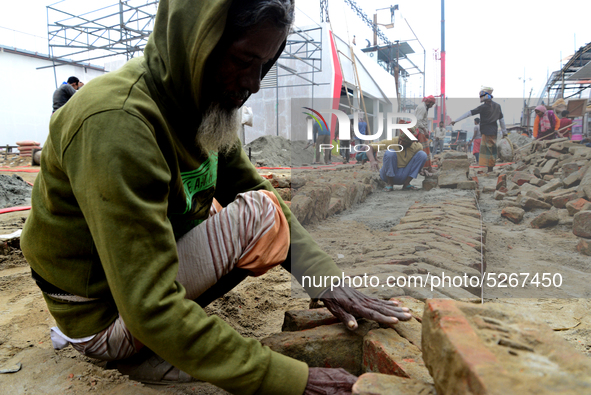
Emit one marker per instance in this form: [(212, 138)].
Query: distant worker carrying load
[(65, 92), (545, 122), (490, 112)]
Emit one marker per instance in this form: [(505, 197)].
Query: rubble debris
[(578, 205), (518, 140), (554, 176), (582, 224), (545, 220), (513, 214), (584, 247)]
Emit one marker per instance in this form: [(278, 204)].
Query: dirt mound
[(277, 151), (14, 191)]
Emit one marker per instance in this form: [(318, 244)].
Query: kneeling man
[(402, 161)]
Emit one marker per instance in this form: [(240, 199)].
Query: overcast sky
[(487, 43)]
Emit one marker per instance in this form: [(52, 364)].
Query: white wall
[(26, 95), (378, 87)]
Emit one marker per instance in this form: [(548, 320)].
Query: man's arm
[(305, 257), (236, 174)]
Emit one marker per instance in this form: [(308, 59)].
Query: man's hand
[(347, 303), (453, 123), (374, 165), (326, 381)]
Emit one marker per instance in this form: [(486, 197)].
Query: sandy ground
[(255, 308)]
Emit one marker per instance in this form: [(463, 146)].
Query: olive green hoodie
[(121, 180)]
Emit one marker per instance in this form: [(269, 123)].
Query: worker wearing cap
[(490, 113)]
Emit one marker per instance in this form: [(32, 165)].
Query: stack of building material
[(454, 171), (26, 147)]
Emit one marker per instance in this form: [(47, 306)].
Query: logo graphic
[(345, 131), (316, 119), (198, 180)]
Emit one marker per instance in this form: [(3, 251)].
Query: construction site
[(490, 254)]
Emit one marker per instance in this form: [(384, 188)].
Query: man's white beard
[(218, 129)]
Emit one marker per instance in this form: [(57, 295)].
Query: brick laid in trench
[(328, 346), (472, 349), (299, 320), (410, 330), (380, 384), (385, 351)]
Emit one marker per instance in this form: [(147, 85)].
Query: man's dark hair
[(564, 113), (477, 120), (244, 14), (73, 80)]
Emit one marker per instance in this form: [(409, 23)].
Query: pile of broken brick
[(554, 176), (447, 348)]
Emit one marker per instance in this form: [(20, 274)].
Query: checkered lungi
[(488, 151)]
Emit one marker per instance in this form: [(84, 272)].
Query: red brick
[(584, 247), (528, 203), (575, 206), (299, 320), (335, 206), (328, 346), (481, 350), (410, 330), (385, 351), (280, 181), (552, 154), (562, 200), (285, 193), (582, 224), (521, 178), (537, 181), (501, 181), (453, 352), (380, 384), (498, 195), (415, 306), (513, 214), (545, 220)]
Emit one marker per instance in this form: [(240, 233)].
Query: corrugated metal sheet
[(270, 80)]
